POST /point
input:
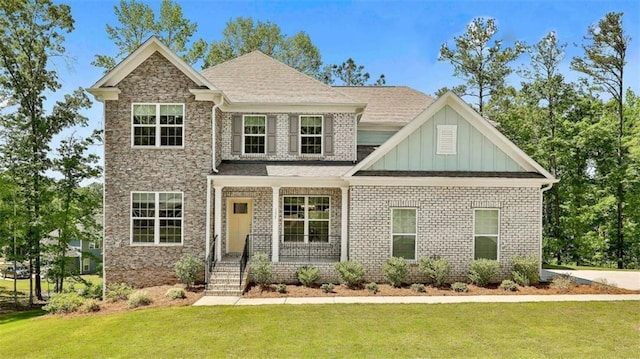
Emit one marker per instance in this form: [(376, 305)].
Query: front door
[(239, 214)]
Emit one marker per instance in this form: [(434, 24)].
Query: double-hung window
[(311, 134), (254, 133), (403, 232), (158, 125), (306, 219), (156, 218), (486, 233)]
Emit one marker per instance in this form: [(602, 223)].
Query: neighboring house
[(82, 256), (253, 151)]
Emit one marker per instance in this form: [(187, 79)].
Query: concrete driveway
[(627, 280)]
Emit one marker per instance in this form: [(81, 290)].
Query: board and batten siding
[(475, 152), (370, 137)]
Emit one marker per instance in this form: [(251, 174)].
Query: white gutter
[(213, 133), (542, 191), (355, 143)]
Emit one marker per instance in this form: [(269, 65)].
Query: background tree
[(482, 66), (31, 33), (349, 74), (138, 22), (603, 63), (243, 35)]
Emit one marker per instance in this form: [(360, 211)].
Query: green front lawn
[(575, 267), (525, 330), (6, 285)]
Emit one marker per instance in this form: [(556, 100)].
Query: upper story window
[(486, 233), (158, 125), (311, 134), (156, 218), (254, 134), (447, 136)]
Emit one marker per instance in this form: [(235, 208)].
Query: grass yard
[(6, 287), (518, 330), (575, 267)]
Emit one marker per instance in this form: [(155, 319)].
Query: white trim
[(277, 181), (207, 230), (293, 107), (142, 53), (275, 224), (217, 220), (300, 135), (474, 119), (474, 235), (344, 224), (156, 220), (415, 241), (158, 126), (229, 199), (443, 148), (306, 218), (105, 94), (447, 181), (252, 135)]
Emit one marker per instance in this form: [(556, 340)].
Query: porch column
[(207, 230), (344, 225), (275, 225), (217, 221)]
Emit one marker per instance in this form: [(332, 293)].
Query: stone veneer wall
[(445, 224), (343, 140), (128, 169)]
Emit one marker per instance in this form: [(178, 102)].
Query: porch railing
[(313, 248), (210, 261), (245, 257)]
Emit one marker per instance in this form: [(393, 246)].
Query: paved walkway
[(622, 279), (212, 300)]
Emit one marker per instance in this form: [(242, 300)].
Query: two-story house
[(254, 154)]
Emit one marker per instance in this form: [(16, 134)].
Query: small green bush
[(308, 275), (176, 293), (90, 306), (460, 287), (187, 269), (372, 287), (563, 282), (261, 270), (436, 269), (64, 303), (394, 270), (483, 271), (118, 291), (327, 287), (92, 291), (138, 299), (350, 273), (508, 286), (281, 288), (418, 288), (526, 270)]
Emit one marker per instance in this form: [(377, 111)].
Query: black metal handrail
[(245, 257), (310, 247), (210, 261)]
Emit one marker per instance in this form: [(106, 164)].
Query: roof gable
[(257, 78), (142, 53), (418, 138)]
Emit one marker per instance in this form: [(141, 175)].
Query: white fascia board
[(276, 181), (447, 181), (105, 93), (143, 52), (205, 94), (290, 107)]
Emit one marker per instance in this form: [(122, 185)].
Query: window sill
[(158, 147), (156, 244)]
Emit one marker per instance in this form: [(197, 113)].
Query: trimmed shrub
[(436, 269), (64, 303), (118, 291), (176, 293), (372, 287), (308, 275), (281, 288), (459, 287), (508, 286), (394, 270), (526, 270), (564, 282), (327, 287), (483, 271), (90, 306), (418, 288), (187, 269), (261, 270), (350, 273), (138, 299)]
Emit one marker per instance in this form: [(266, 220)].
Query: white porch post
[(207, 230), (344, 225), (217, 221), (275, 225)]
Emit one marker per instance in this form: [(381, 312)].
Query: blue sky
[(398, 38)]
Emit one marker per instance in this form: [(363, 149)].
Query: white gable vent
[(447, 135)]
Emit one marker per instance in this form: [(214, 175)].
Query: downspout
[(213, 133), (542, 191), (355, 129)]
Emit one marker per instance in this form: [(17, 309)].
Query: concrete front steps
[(225, 280)]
